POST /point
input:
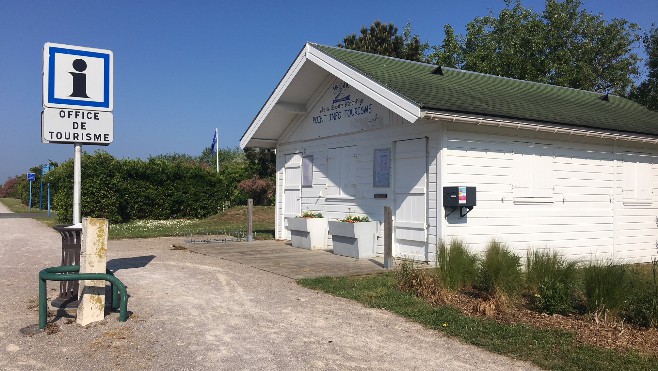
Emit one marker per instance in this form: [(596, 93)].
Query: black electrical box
[(458, 197)]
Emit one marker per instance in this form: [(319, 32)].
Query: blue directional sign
[(31, 177), (77, 77)]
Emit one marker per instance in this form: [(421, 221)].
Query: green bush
[(606, 286), (553, 282), (160, 188), (500, 272), (456, 266)]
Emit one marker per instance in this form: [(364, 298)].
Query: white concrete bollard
[(93, 259)]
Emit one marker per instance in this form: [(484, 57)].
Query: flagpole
[(217, 149)]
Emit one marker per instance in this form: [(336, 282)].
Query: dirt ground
[(196, 312), (599, 331)]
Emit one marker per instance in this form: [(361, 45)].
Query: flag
[(214, 143)]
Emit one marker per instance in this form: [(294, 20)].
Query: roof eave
[(482, 120), (248, 139)]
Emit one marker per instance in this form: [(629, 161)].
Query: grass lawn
[(15, 206), (550, 349), (230, 222)]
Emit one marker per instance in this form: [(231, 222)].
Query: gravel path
[(196, 312)]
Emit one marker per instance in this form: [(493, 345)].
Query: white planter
[(356, 240), (308, 233)]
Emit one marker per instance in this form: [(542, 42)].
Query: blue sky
[(183, 68)]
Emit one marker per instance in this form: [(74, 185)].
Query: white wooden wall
[(319, 197), (585, 215)]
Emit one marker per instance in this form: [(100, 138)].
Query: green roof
[(466, 92)]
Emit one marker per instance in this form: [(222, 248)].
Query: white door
[(292, 189), (410, 211)]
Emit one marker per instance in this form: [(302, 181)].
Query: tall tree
[(381, 38), (647, 92), (450, 53), (564, 45), (586, 52)]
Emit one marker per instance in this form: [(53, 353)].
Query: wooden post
[(250, 220), (388, 237)]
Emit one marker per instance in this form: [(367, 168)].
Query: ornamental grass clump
[(606, 287), (456, 266), (641, 307), (552, 281), (500, 272)]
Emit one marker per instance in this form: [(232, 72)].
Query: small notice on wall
[(382, 168), (462, 195)]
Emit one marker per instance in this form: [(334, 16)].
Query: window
[(341, 179), (636, 179), (533, 173)]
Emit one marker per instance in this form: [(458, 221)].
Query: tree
[(586, 52), (564, 45), (450, 53), (383, 39), (262, 162), (647, 92), (226, 155)]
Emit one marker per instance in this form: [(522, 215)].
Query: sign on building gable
[(341, 109)]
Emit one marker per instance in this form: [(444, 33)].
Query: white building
[(553, 167)]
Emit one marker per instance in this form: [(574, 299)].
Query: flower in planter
[(355, 219), (310, 214)]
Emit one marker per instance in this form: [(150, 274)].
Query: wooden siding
[(585, 216)]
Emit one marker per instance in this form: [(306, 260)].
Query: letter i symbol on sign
[(79, 79)]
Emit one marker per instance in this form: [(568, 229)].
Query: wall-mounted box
[(459, 197)]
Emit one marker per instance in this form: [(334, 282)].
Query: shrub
[(124, 190), (456, 266), (552, 281), (260, 190), (418, 281), (606, 286), (10, 189), (500, 272)]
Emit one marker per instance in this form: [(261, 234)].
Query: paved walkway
[(191, 311), (282, 259)]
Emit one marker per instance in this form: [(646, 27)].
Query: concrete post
[(93, 259)]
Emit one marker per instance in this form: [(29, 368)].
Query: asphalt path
[(191, 311)]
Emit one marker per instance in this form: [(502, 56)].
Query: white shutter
[(348, 173), (643, 179), (333, 170)]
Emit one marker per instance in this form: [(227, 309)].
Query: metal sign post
[(78, 90), (77, 182), (31, 177)]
